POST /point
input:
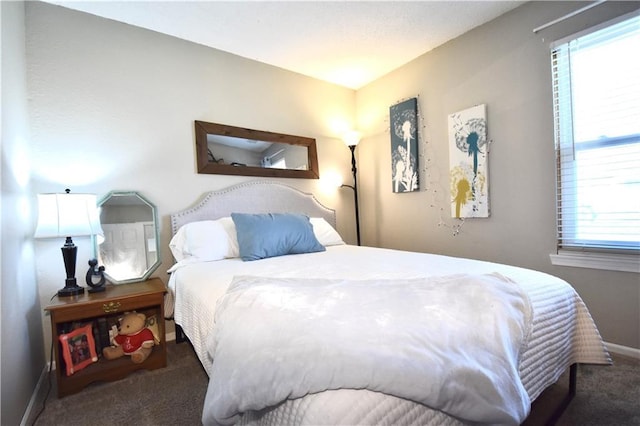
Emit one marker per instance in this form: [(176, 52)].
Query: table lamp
[(68, 215)]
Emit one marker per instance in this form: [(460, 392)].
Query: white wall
[(504, 65), (112, 108), (21, 353)]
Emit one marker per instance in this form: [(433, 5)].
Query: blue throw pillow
[(274, 234)]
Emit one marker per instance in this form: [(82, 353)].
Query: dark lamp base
[(96, 289), (71, 288), (70, 291)]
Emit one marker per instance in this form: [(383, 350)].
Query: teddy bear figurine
[(133, 339)]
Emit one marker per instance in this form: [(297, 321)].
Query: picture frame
[(78, 349), (404, 146), (468, 163), (152, 324)]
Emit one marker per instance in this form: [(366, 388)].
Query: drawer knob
[(110, 307)]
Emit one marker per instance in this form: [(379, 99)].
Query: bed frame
[(259, 196), (263, 196)]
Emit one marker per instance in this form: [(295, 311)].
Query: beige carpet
[(169, 396), (606, 395), (174, 396)]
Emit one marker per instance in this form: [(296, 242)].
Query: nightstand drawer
[(111, 306)]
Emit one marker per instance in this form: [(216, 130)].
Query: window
[(596, 100)]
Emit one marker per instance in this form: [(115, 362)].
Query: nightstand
[(146, 297)]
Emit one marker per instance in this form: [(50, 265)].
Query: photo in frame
[(404, 145), (78, 349), (152, 324), (468, 170)]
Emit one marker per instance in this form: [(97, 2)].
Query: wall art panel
[(468, 169), (404, 145)]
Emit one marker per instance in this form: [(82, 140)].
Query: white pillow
[(217, 239), (177, 244), (326, 235), (205, 240), (230, 227)]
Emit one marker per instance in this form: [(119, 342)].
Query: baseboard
[(623, 350), (34, 396)]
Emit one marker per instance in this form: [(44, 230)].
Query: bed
[(341, 334)]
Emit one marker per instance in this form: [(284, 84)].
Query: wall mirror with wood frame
[(228, 150)]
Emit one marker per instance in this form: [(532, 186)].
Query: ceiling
[(349, 43)]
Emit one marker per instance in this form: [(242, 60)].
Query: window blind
[(596, 102)]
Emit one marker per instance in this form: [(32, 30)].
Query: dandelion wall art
[(404, 145), (468, 163)]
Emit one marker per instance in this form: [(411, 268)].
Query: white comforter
[(276, 339), (562, 330)]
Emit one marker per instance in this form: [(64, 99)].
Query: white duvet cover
[(283, 338), (561, 331)]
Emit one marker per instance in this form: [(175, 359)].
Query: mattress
[(562, 331)]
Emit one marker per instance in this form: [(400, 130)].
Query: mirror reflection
[(130, 248), (251, 153), (223, 149)]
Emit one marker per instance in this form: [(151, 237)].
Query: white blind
[(596, 99)]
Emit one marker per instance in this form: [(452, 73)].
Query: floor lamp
[(351, 139), (64, 216)]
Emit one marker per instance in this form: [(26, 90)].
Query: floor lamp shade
[(351, 138), (64, 216)]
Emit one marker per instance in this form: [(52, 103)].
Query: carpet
[(606, 395), (168, 396)]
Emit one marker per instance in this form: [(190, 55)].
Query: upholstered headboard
[(253, 197)]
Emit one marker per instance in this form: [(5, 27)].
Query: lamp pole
[(351, 139), (354, 171)]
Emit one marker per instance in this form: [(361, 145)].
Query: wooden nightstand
[(146, 297)]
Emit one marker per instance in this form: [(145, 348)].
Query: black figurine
[(95, 272)]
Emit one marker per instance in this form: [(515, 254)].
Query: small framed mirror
[(130, 249), (229, 150)]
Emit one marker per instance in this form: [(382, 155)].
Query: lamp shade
[(351, 138), (67, 215)]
